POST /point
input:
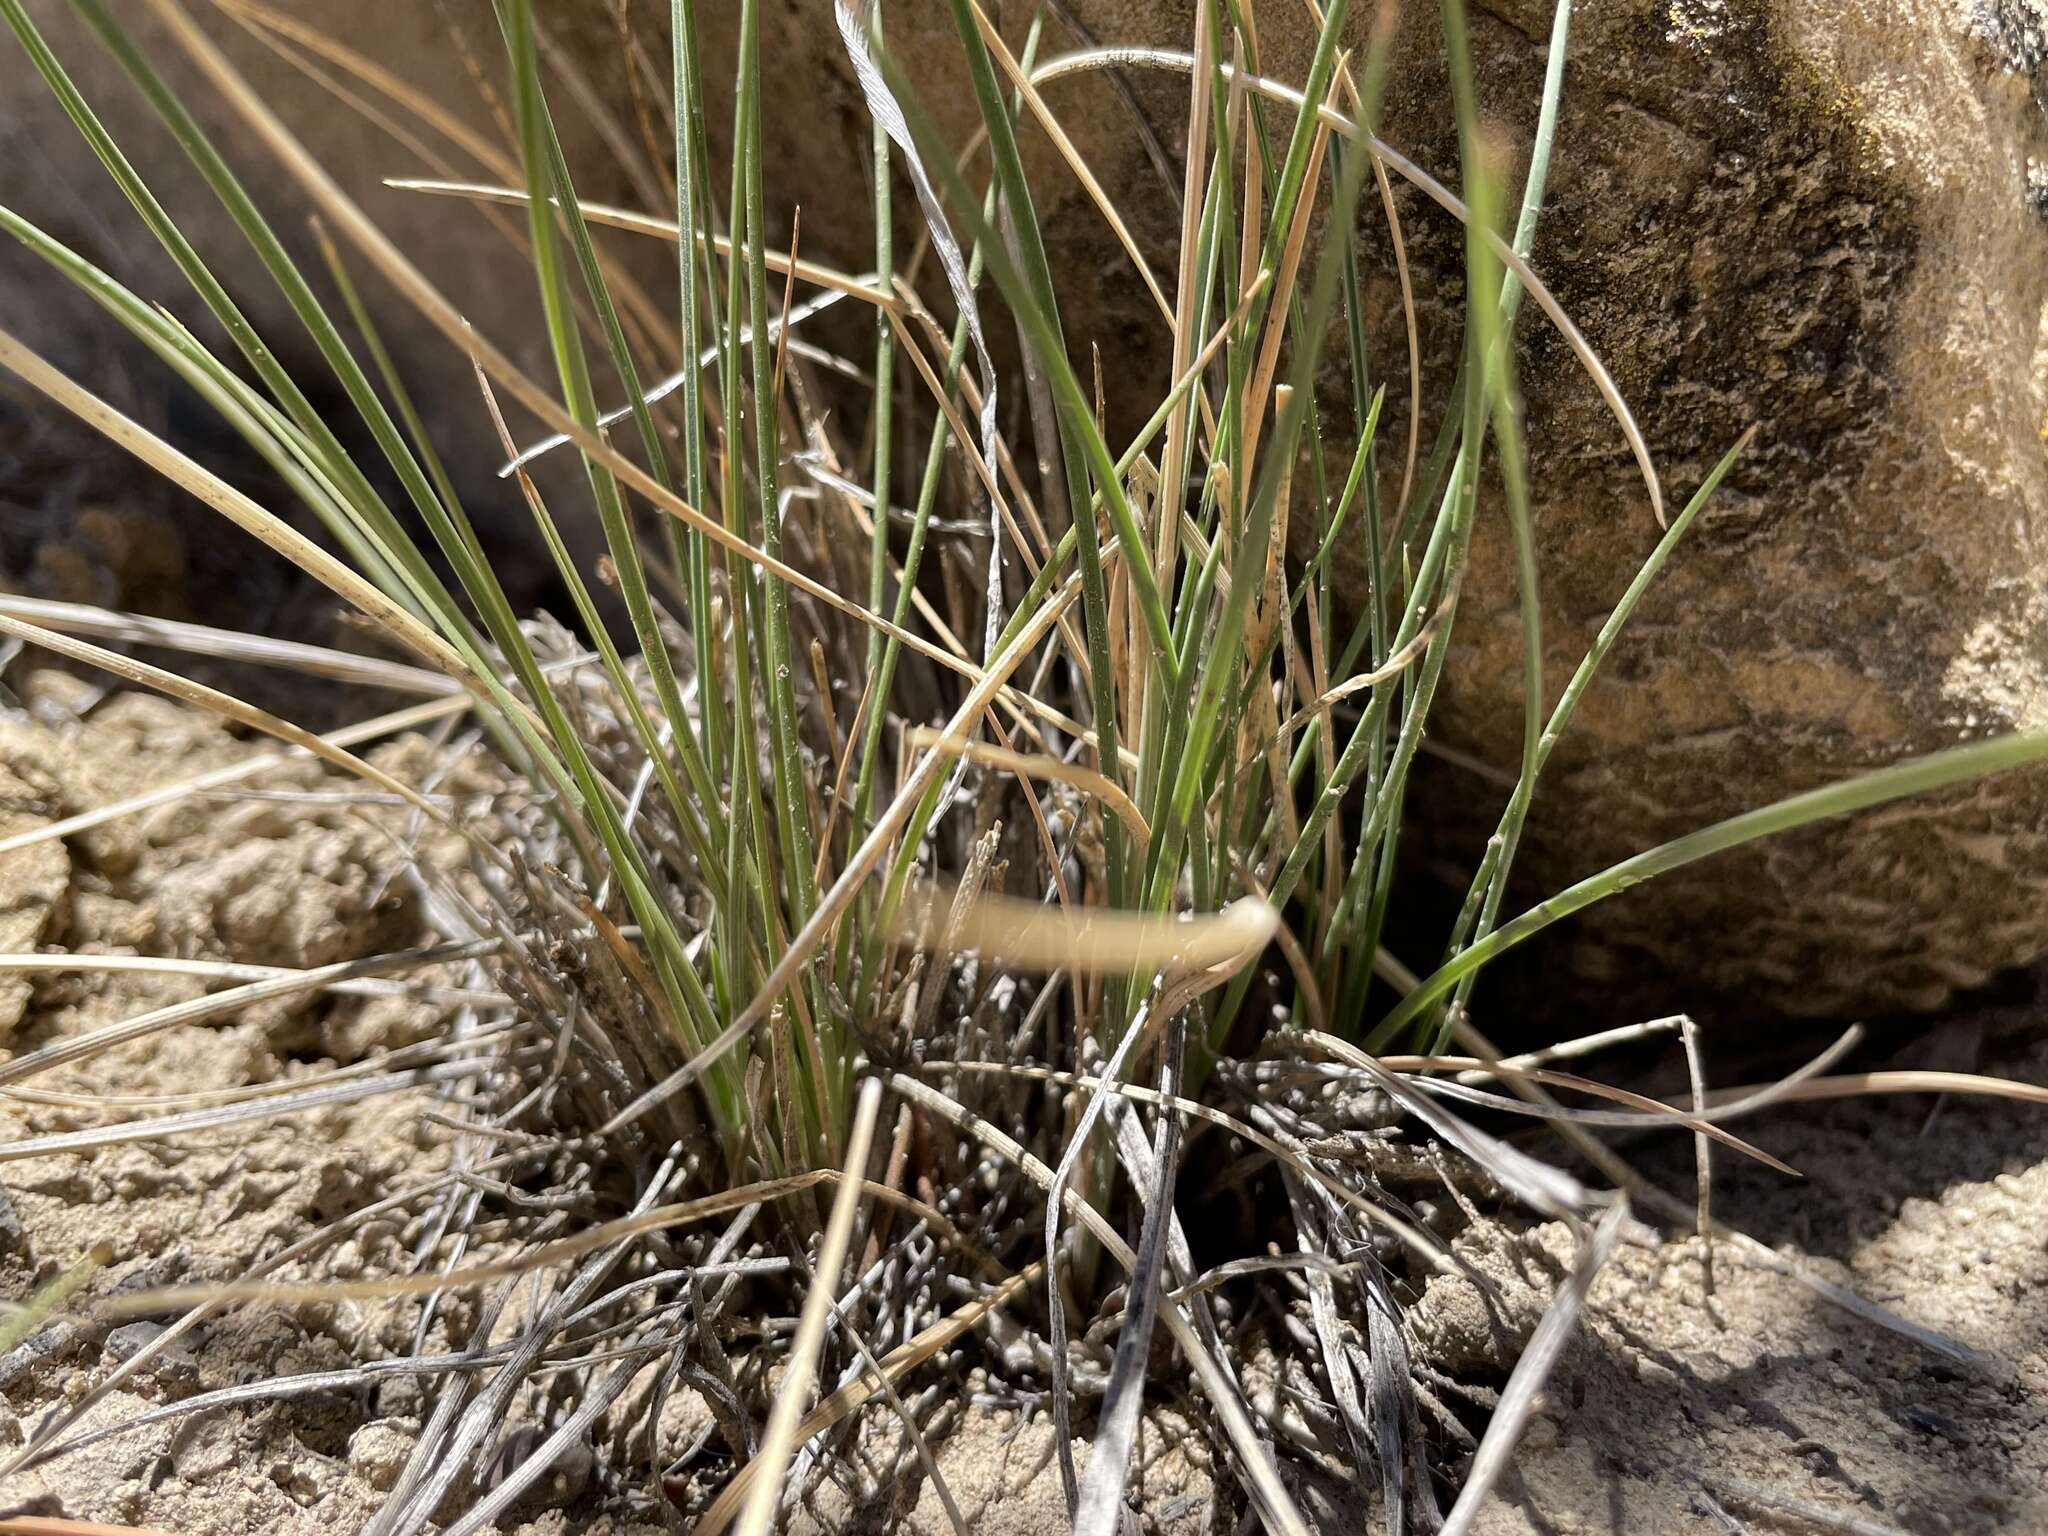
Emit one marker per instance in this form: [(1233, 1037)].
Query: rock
[(100, 531), (1823, 216), (130, 1339), (175, 1365), (1816, 217), (14, 1243), (33, 880)]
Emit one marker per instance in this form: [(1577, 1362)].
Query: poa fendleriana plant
[(1067, 863)]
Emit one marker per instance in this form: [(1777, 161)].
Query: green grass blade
[(1489, 884), (1919, 776)]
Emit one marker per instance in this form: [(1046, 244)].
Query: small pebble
[(130, 1339)]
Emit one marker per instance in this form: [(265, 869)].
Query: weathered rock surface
[(32, 883), (1819, 218), (1824, 216)]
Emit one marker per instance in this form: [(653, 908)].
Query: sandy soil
[(266, 882), (1675, 1412), (1669, 1412)]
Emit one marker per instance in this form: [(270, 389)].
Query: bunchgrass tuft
[(867, 940)]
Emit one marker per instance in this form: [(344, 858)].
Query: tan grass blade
[(1656, 1111), (1398, 663), (228, 970), (194, 1010), (229, 644), (1038, 766), (422, 106), (895, 1365), (1277, 317), (208, 487), (143, 675), (296, 44), (1849, 1085), (1393, 212), (814, 273), (1027, 935), (248, 768), (1187, 295), (544, 1256), (1000, 52), (778, 1440)]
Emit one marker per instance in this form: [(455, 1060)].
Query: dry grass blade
[(1310, 1239), (271, 1106), (226, 705), (1851, 1085), (1038, 766), (663, 229), (779, 328), (1027, 935), (779, 1439), (1565, 1050), (416, 103), (887, 115), (228, 970), (196, 480), (1825, 1517), (234, 999), (1703, 1154), (545, 1256), (1262, 1479), (1393, 212), (1656, 1113), (472, 1048), (895, 1365), (1398, 663), (1000, 52), (592, 1401), (1187, 295), (249, 767), (1753, 1252), (1549, 1190), (228, 644), (1747, 1101)]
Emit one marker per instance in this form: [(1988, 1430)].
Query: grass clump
[(1070, 863)]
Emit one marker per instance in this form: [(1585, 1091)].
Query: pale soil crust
[(1673, 1412), (1668, 1412)]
